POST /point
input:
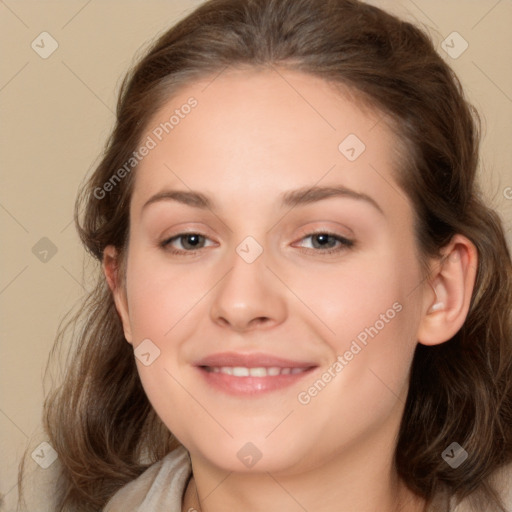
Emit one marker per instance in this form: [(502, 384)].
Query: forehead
[(253, 133)]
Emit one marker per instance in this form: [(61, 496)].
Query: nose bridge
[(249, 291)]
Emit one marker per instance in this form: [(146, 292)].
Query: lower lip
[(246, 386)]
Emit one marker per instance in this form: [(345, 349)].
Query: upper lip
[(255, 360)]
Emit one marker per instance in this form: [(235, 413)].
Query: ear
[(448, 291), (111, 269)]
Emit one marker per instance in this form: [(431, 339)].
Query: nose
[(249, 296)]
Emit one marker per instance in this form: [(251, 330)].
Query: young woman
[(303, 303)]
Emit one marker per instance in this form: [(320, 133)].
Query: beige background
[(56, 114)]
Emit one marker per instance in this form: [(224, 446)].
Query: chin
[(244, 456)]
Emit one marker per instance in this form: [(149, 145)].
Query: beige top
[(162, 485)]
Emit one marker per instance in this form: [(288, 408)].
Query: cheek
[(369, 317), (162, 303), (160, 296), (352, 298)]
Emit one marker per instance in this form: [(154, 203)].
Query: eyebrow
[(291, 198)]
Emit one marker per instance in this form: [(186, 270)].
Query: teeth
[(242, 371), (257, 372), (239, 371)]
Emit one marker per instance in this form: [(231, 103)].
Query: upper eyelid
[(304, 231)]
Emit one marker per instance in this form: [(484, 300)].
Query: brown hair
[(100, 421)]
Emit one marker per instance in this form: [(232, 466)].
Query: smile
[(242, 371), (242, 381)]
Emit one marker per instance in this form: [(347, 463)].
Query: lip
[(254, 360), (251, 386)]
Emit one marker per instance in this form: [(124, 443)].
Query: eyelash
[(345, 243)]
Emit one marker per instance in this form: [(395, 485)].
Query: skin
[(251, 138)]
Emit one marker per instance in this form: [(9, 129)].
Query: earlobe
[(111, 270), (447, 294)]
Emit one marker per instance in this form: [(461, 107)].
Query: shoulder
[(501, 480), (160, 487)]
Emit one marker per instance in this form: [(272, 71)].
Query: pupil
[(192, 237), (322, 239)]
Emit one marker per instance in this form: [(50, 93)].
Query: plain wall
[(56, 114)]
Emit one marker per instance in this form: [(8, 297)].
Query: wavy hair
[(99, 419)]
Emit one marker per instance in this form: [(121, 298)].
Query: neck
[(360, 479), (398, 499)]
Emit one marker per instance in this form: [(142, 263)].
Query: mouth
[(251, 374), (261, 371)]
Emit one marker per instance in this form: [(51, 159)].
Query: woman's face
[(255, 288)]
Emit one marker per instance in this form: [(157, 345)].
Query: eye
[(328, 243), (323, 242), (189, 241)]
